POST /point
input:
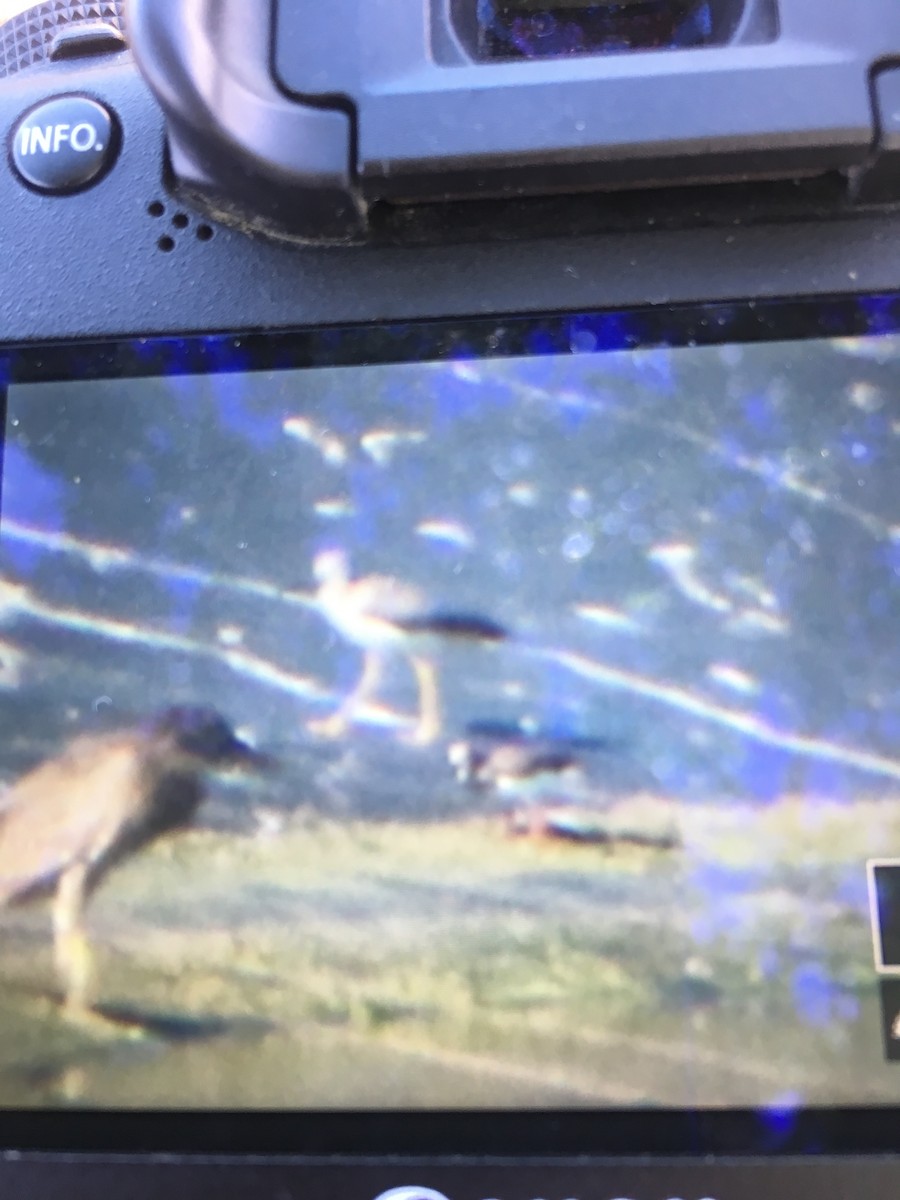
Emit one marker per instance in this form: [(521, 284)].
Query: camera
[(449, 553)]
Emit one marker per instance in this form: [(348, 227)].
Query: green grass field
[(367, 963)]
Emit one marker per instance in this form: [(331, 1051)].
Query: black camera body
[(235, 172), (821, 118)]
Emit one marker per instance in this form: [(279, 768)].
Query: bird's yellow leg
[(368, 685), (74, 959), (73, 955), (429, 725)]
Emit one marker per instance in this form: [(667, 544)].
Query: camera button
[(64, 144), (84, 39)]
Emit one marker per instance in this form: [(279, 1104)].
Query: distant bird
[(530, 773), (68, 822), (544, 783), (385, 616)]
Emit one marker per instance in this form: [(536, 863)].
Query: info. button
[(64, 144)]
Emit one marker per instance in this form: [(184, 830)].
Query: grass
[(443, 963)]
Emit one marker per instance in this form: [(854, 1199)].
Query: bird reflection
[(69, 821), (385, 616)]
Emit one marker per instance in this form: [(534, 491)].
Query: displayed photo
[(485, 733)]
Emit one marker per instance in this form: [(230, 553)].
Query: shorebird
[(385, 616), (530, 773), (69, 821)]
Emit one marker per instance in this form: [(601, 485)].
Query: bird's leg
[(429, 725), (73, 956), (538, 821), (369, 682)]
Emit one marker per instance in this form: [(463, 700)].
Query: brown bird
[(65, 824), (385, 616), (529, 775)]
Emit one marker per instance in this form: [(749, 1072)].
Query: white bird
[(385, 616)]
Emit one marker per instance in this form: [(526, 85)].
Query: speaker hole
[(156, 208), (166, 244), (181, 220), (204, 233)]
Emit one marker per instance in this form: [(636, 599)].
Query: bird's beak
[(244, 757)]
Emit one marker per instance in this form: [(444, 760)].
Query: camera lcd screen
[(566, 681)]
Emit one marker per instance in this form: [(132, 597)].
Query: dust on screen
[(578, 676)]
